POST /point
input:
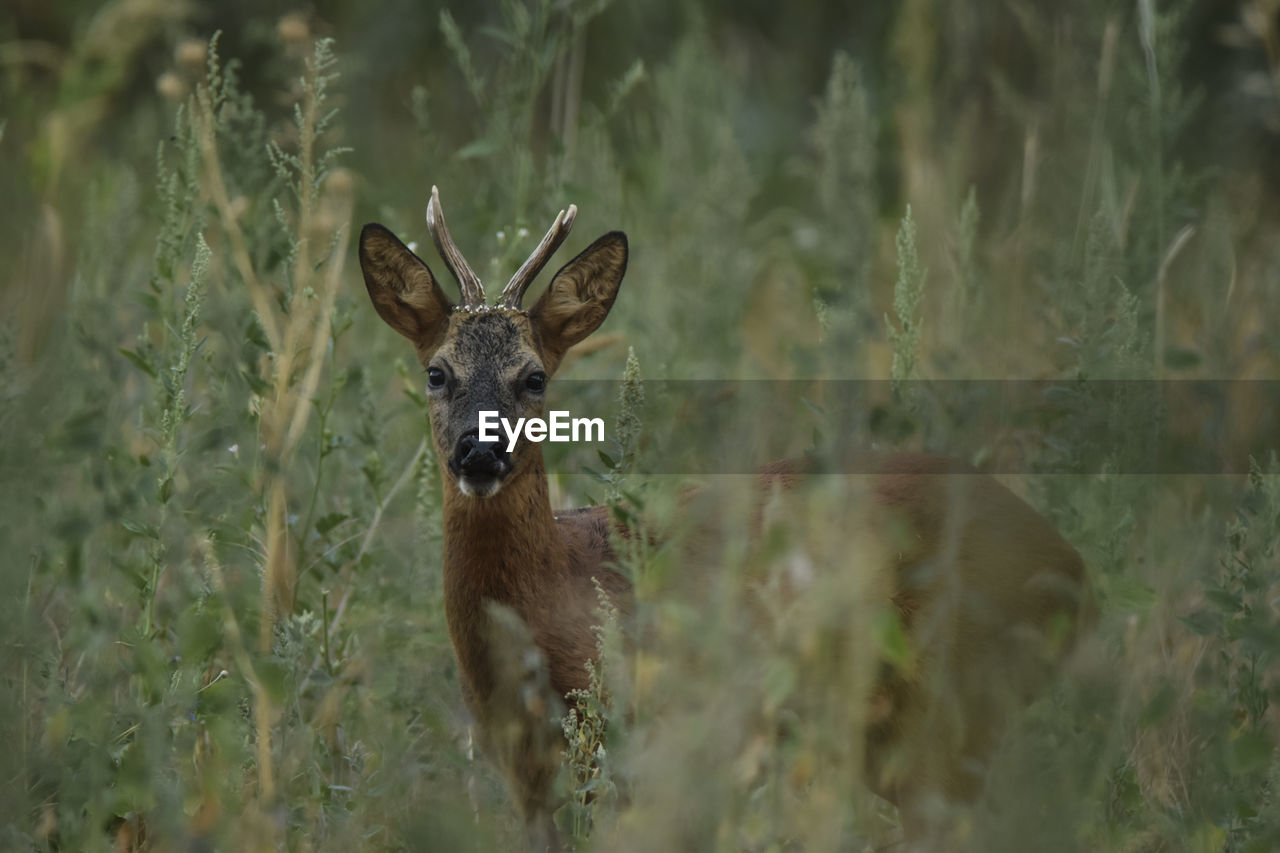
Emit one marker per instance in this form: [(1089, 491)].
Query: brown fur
[(980, 581), (542, 567)]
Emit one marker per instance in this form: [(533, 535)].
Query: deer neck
[(497, 545), (503, 550)]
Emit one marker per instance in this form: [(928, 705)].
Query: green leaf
[(220, 696), (1202, 623), (327, 522), (895, 646), (373, 468), (779, 683), (1261, 637), (1125, 593), (510, 39), (199, 634), (622, 514), (606, 459), (474, 150), (1181, 358), (1249, 752), (254, 334), (1226, 600), (141, 528), (138, 362), (256, 383)]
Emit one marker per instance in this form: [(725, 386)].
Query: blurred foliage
[(220, 518)]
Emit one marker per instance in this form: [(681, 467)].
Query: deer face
[(488, 362), (488, 358)]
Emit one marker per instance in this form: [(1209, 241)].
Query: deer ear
[(403, 290), (580, 295)]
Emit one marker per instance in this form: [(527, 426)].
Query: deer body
[(519, 581), (977, 580), (542, 571), (989, 594)]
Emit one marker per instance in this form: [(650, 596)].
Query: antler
[(468, 282), (513, 293)]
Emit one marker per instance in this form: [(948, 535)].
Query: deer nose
[(478, 458)]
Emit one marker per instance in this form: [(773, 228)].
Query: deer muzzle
[(479, 465)]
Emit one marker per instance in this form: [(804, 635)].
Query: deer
[(522, 581)]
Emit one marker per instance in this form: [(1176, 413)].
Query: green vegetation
[(219, 515)]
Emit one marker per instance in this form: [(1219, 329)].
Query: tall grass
[(221, 515)]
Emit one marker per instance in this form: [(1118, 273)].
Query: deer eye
[(536, 382), (435, 378)]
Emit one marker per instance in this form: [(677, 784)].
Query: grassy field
[(1041, 237)]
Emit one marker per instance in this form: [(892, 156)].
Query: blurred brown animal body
[(977, 579), (990, 595)]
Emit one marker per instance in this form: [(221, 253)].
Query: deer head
[(481, 357)]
